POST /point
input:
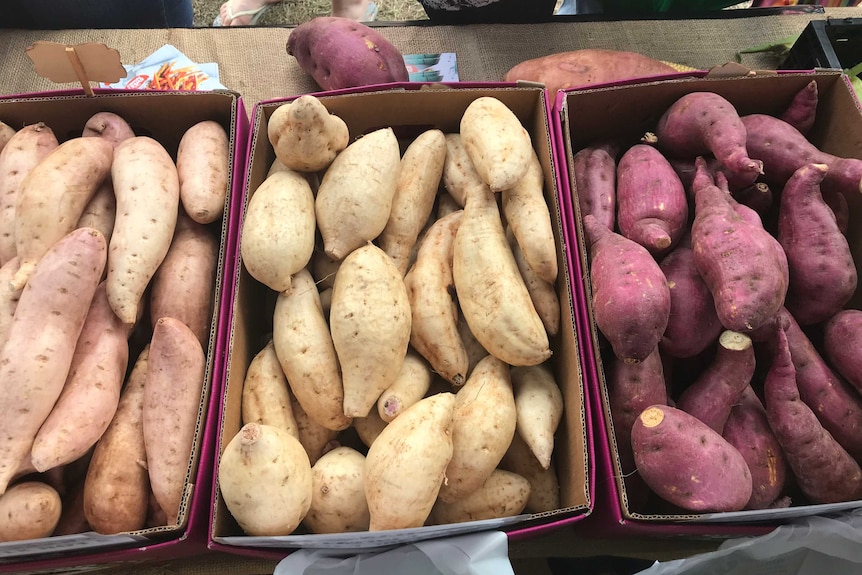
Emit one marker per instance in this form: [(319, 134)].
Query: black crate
[(831, 43)]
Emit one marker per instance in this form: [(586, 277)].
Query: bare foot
[(237, 7), (353, 9)]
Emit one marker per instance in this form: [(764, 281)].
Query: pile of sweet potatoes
[(719, 280), (110, 248), (407, 379)]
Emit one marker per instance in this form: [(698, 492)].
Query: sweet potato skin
[(578, 68), (842, 341), (652, 208), (802, 109), (688, 464), (822, 271), (343, 53), (824, 471), (595, 176), (747, 429), (630, 296)]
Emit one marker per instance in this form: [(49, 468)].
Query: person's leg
[(359, 10), (231, 12)]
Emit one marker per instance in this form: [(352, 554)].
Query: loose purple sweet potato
[(700, 123), (842, 345), (693, 323), (714, 393), (824, 471), (688, 464), (742, 264), (652, 208), (342, 53), (822, 271), (802, 110), (595, 178), (631, 299), (784, 149), (747, 429)]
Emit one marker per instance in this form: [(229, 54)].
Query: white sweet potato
[(539, 407), (411, 385), (146, 186), (338, 503), (406, 465), (305, 136), (265, 396), (203, 167), (504, 494), (30, 510)]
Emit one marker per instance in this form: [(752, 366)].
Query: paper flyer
[(169, 69), (432, 67)]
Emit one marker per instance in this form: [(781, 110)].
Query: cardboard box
[(409, 110), (164, 116), (629, 111)]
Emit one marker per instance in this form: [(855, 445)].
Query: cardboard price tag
[(89, 62)]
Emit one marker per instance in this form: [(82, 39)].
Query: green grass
[(290, 12)]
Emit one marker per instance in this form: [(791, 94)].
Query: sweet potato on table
[(714, 393), (342, 53), (700, 123), (652, 208), (595, 177), (742, 264), (784, 149), (688, 464), (824, 471), (630, 295), (842, 344), (579, 68), (802, 109), (822, 271), (747, 429), (693, 323)]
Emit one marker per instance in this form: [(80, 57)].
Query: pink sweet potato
[(342, 53), (595, 176), (688, 464), (822, 272), (741, 263), (824, 471), (38, 353), (784, 149), (747, 429), (842, 345), (630, 296), (652, 207), (693, 323), (802, 109), (714, 393), (578, 68), (700, 123)]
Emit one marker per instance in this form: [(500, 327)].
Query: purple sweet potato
[(688, 464), (652, 208), (700, 123), (784, 149), (693, 323), (837, 202), (747, 429), (822, 272), (842, 345), (595, 176), (742, 264), (342, 53), (837, 404), (630, 296), (714, 393), (802, 109), (824, 471)]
